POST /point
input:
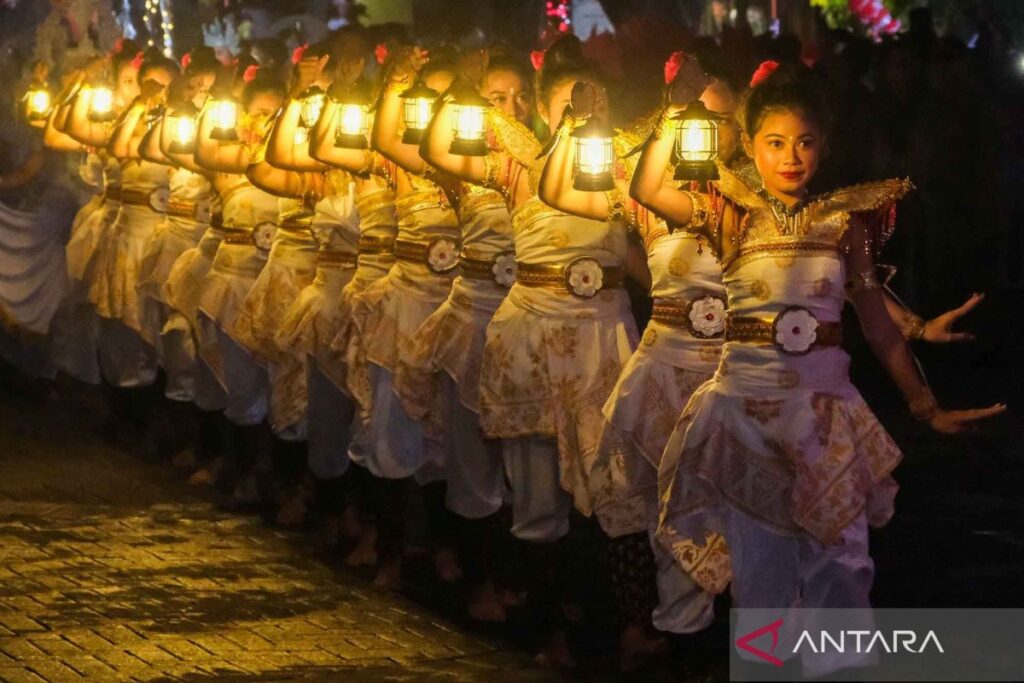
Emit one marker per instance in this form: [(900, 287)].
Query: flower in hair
[(118, 46), (537, 59), (380, 53), (137, 60), (186, 59), (299, 53), (249, 75), (766, 69), (672, 65)]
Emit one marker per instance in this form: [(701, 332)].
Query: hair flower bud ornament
[(380, 53), (766, 69), (672, 65), (299, 53)]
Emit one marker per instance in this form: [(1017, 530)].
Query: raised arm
[(282, 149), (149, 146), (556, 182), (648, 187), (79, 127), (387, 124), (890, 347), (437, 140), (280, 182), (54, 139), (128, 131)]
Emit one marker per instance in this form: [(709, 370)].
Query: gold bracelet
[(701, 212), (913, 328), (863, 282), (616, 204), (924, 407)]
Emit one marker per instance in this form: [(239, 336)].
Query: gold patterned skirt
[(550, 363), (784, 440)]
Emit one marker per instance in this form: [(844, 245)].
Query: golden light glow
[(353, 119), (101, 103), (697, 140), (594, 155), (301, 136), (469, 122), (418, 111), (184, 129), (38, 103), (224, 114), (312, 105)]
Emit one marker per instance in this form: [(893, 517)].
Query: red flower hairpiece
[(249, 75), (537, 59), (137, 60), (186, 59), (299, 53), (118, 46), (380, 53), (672, 65), (766, 69)]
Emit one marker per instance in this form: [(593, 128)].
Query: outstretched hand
[(689, 83), (964, 421), (939, 330), (583, 100)]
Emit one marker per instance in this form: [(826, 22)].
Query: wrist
[(924, 407)]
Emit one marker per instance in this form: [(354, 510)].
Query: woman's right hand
[(963, 421), (407, 64)]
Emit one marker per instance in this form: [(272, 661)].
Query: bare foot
[(446, 564), (202, 477), (351, 523), (484, 604), (389, 576), (293, 510), (512, 598), (184, 459), (635, 646), (365, 552), (556, 654)]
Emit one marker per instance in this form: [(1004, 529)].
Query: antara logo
[(859, 642)]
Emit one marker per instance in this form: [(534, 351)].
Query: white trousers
[(474, 470), (540, 506), (246, 383), (126, 360)]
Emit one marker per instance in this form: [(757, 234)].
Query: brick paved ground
[(110, 571)]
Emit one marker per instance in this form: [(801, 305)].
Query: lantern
[(312, 103), (417, 108), (101, 104), (183, 131), (468, 124), (696, 143), (37, 102), (224, 114), (594, 157), (353, 121)]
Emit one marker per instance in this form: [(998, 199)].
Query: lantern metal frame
[(469, 146), (31, 112), (411, 97), (101, 116), (178, 146), (700, 170), (306, 118), (223, 133), (358, 98), (601, 181)]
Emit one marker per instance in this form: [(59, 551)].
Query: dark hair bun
[(792, 86), (564, 62)]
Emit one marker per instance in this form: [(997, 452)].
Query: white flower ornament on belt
[(707, 317), (442, 255), (584, 277), (263, 235), (795, 330), (159, 198), (504, 269)]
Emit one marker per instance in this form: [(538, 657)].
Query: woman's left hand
[(939, 330)]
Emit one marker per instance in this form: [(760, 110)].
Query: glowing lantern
[(353, 121), (37, 102), (183, 132), (224, 114), (101, 104), (468, 124), (417, 108), (594, 157), (696, 143), (312, 103)]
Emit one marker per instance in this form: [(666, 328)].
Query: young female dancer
[(778, 453)]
